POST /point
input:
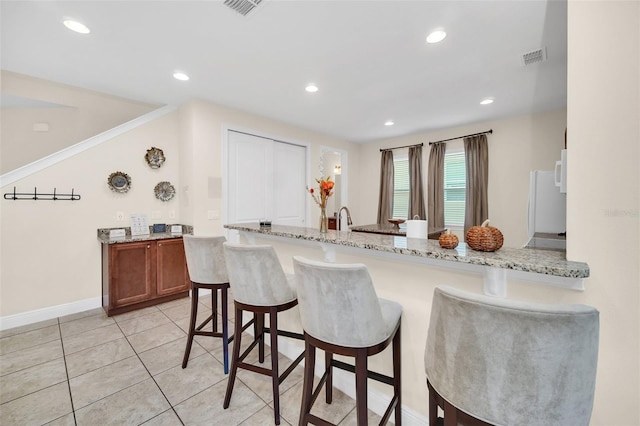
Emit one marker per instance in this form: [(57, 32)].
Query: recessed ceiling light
[(76, 26), (311, 88), (180, 76), (436, 36), (486, 101), (389, 123)]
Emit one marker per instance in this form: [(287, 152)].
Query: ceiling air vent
[(243, 7), (535, 56)]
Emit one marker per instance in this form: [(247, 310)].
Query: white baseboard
[(345, 382), (25, 318)]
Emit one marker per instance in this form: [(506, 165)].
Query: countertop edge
[(518, 259)]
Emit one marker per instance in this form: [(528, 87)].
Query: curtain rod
[(460, 137), (398, 147)]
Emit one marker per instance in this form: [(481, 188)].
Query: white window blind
[(401, 187), (455, 188)]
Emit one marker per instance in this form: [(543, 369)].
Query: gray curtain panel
[(435, 187), (385, 201), (416, 188), (476, 155)]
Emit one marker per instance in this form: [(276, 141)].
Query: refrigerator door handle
[(557, 173)]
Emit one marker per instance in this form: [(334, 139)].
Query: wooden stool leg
[(258, 331), (361, 387), (328, 358), (433, 406), (192, 324), (307, 384), (397, 388), (450, 414), (236, 355), (275, 382), (225, 330), (214, 307)]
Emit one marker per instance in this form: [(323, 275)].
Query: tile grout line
[(151, 375), (66, 371)]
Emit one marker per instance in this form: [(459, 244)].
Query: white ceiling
[(369, 58)]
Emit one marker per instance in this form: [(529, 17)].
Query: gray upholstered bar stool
[(260, 286), (207, 270), (495, 361), (342, 315)]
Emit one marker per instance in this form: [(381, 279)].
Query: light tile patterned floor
[(90, 369)]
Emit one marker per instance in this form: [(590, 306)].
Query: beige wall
[(517, 146), (79, 114), (604, 191), (203, 156), (50, 254), (49, 250)]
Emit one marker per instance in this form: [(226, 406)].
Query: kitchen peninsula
[(549, 267), (407, 271)]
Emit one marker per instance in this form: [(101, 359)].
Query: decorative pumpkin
[(484, 237), (448, 240)]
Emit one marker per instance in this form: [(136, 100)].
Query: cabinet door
[(131, 273), (172, 267)]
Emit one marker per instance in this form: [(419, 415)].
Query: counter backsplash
[(103, 234)]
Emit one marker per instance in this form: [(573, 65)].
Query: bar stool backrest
[(338, 303), (205, 259), (256, 276), (513, 363)]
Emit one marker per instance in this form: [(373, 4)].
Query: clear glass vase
[(324, 220)]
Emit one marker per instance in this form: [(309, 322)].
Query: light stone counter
[(103, 235), (544, 266)]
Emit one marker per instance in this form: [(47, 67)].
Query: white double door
[(266, 180)]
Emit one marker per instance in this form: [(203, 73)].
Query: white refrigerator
[(547, 212)]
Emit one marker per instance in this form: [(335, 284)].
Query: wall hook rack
[(40, 196)]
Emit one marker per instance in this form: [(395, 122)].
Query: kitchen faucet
[(340, 217)]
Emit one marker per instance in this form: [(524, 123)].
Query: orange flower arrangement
[(326, 191)]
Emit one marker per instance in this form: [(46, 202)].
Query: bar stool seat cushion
[(269, 275), (351, 294), (206, 262), (512, 362)]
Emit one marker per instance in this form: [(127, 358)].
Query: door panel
[(266, 180), (289, 184), (172, 270)]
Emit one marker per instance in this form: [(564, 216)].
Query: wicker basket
[(484, 237), (448, 240)]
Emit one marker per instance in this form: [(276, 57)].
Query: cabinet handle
[(159, 244), (148, 246)]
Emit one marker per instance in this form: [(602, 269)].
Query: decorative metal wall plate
[(164, 191), (155, 157), (119, 182)]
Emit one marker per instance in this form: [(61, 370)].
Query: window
[(455, 188), (401, 187)]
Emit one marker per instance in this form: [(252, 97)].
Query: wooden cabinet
[(143, 273)]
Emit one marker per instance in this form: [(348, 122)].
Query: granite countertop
[(389, 229), (103, 235), (519, 259)]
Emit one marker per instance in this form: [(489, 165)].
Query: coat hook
[(54, 194), (35, 193), (14, 193)]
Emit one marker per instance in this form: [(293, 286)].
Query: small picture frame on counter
[(176, 229), (159, 228)]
